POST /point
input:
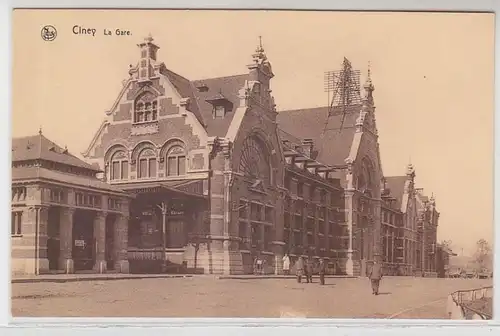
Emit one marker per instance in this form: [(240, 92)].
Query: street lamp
[(163, 207)]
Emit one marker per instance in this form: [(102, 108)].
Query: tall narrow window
[(16, 223), (176, 161), (13, 217), (119, 166), (146, 164)]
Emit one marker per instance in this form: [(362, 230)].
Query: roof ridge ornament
[(260, 55), (368, 86)]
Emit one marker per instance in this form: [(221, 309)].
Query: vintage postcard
[(250, 164)]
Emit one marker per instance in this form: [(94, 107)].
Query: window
[(176, 161), (243, 209), (16, 220), (300, 188), (146, 108), (269, 214), (219, 111), (147, 164), (312, 193), (119, 166)]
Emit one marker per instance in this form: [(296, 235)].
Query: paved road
[(401, 297)]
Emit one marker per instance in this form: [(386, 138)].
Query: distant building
[(443, 254), (212, 177), (427, 222)]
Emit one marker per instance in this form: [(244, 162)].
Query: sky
[(433, 77)]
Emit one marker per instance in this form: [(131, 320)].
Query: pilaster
[(100, 241), (120, 244), (66, 262)]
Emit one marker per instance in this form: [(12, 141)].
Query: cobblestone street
[(401, 297)]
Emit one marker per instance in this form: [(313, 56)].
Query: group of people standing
[(305, 268)]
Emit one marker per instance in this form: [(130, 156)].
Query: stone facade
[(53, 199)]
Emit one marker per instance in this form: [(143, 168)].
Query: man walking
[(309, 270), (322, 269), (375, 275), (299, 269)]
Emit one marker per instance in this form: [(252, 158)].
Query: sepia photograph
[(252, 164)]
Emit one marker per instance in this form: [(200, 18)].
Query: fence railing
[(459, 304)]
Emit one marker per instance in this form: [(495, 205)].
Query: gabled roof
[(38, 147), (396, 186), (332, 144), (229, 87)]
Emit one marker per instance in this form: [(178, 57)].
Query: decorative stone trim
[(146, 128)]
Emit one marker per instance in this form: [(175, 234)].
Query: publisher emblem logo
[(49, 33)]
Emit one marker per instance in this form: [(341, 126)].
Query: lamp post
[(163, 207)]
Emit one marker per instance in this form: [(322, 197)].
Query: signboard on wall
[(80, 243)]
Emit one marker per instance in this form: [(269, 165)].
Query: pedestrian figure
[(299, 269), (322, 270), (286, 264), (375, 275), (309, 270)]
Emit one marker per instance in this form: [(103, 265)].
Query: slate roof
[(396, 185), (229, 87), (36, 173), (38, 147), (186, 90), (333, 145)]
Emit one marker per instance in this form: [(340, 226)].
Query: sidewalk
[(61, 278), (92, 277)]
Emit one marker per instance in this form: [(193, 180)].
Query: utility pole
[(163, 207)]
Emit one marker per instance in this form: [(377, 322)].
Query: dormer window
[(219, 111), (221, 105)]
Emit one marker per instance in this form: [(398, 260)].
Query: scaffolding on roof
[(343, 88)]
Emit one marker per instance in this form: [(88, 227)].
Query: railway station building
[(206, 175)]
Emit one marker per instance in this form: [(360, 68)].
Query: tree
[(483, 255)]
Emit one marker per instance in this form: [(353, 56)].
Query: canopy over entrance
[(190, 188)]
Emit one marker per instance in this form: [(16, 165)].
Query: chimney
[(308, 146)]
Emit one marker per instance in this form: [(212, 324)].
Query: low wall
[(462, 304)]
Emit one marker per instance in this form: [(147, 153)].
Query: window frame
[(151, 160), (120, 162), (176, 157), (146, 104)]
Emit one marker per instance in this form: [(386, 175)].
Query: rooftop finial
[(369, 84), (40, 130), (148, 38), (259, 52)]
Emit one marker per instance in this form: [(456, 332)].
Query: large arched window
[(119, 166), (176, 161), (146, 164), (254, 161), (146, 108)]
